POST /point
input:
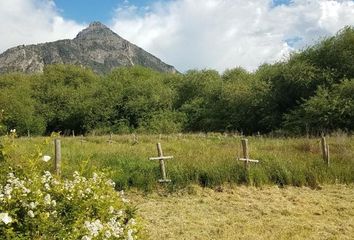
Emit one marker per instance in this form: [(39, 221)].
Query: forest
[(312, 92)]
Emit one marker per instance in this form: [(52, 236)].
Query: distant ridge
[(96, 47)]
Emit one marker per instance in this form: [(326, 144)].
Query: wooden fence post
[(328, 159), (57, 160), (325, 150)]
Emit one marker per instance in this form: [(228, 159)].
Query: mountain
[(96, 47)]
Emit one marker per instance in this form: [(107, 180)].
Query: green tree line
[(311, 92)]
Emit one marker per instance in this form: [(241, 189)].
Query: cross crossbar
[(248, 160), (164, 180), (161, 158)]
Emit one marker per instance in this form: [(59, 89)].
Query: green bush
[(164, 122)]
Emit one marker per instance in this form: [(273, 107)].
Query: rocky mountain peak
[(96, 47), (96, 24), (96, 30)]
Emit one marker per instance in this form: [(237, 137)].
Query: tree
[(143, 92), (67, 98), (17, 105), (326, 111)]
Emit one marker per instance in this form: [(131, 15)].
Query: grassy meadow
[(290, 194), (199, 159)]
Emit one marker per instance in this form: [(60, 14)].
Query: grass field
[(249, 213), (290, 194), (205, 160)]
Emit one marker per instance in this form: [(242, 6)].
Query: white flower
[(31, 213), (47, 186), (32, 205), (8, 190), (130, 234), (5, 218), (88, 190), (47, 199), (95, 177), (107, 234), (13, 130), (132, 221), (85, 238), (94, 227), (111, 183), (46, 158), (119, 213), (46, 177)]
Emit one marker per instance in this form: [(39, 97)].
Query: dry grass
[(242, 212)]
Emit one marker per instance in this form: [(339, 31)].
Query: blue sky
[(188, 34), (104, 10), (94, 10)]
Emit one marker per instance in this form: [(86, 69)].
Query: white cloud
[(223, 34), (32, 21), (190, 34)]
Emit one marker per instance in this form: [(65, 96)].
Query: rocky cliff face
[(96, 47)]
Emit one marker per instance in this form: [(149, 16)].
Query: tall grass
[(208, 160)]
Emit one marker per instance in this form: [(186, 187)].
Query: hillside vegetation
[(312, 92)]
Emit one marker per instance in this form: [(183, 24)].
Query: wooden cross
[(161, 158), (82, 139), (246, 158)]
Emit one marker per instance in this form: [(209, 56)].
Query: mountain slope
[(96, 47)]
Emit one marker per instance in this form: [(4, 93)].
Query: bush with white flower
[(34, 204), (46, 207)]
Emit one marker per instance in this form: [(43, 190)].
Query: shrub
[(41, 206), (46, 207)]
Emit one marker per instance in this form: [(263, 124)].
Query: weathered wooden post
[(135, 139), (325, 150), (57, 160), (73, 133), (28, 134), (328, 159), (110, 140), (161, 159), (82, 139), (245, 151)]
